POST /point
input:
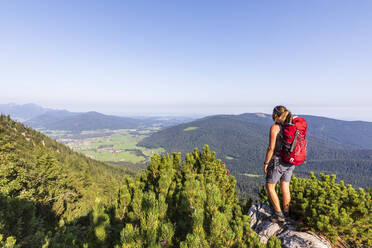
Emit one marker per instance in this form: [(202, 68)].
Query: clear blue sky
[(189, 57)]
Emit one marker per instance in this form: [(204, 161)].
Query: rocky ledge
[(288, 234)]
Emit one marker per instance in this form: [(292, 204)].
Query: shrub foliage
[(333, 209), (188, 204)]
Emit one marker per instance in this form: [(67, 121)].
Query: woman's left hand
[(265, 168)]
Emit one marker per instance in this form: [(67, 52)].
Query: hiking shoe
[(277, 217)]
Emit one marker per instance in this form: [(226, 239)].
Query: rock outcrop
[(288, 234)]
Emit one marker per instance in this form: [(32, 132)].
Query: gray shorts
[(277, 169)]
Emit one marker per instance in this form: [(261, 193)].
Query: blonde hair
[(282, 115)]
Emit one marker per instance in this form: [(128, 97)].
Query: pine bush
[(183, 204), (333, 209), (10, 242)]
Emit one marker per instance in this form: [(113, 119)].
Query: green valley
[(109, 145)]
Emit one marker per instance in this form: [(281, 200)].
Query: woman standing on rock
[(275, 168)]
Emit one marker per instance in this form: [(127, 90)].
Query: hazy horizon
[(248, 109), (189, 57)]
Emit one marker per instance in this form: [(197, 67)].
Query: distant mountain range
[(22, 112), (45, 118), (82, 121), (334, 146)]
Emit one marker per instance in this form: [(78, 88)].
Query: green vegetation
[(333, 209), (190, 129), (245, 138), (109, 145), (51, 196), (113, 157), (192, 204), (10, 242), (229, 158), (43, 183)]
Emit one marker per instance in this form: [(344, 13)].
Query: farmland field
[(108, 145)]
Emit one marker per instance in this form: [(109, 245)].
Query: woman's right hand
[(265, 168)]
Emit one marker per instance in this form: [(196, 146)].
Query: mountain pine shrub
[(10, 242), (183, 204), (332, 209)]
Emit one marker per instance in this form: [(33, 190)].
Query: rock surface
[(288, 234)]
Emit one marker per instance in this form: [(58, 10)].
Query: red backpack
[(294, 142)]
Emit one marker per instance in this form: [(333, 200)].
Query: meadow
[(109, 145)]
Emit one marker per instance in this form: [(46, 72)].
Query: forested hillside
[(241, 141), (42, 182)]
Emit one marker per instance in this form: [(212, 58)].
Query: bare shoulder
[(275, 128)]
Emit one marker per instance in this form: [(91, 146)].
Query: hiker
[(275, 166)]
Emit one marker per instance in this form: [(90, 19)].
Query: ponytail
[(282, 115)]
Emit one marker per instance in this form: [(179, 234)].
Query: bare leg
[(273, 196), (286, 195)]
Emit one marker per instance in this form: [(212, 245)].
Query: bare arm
[(274, 130)]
